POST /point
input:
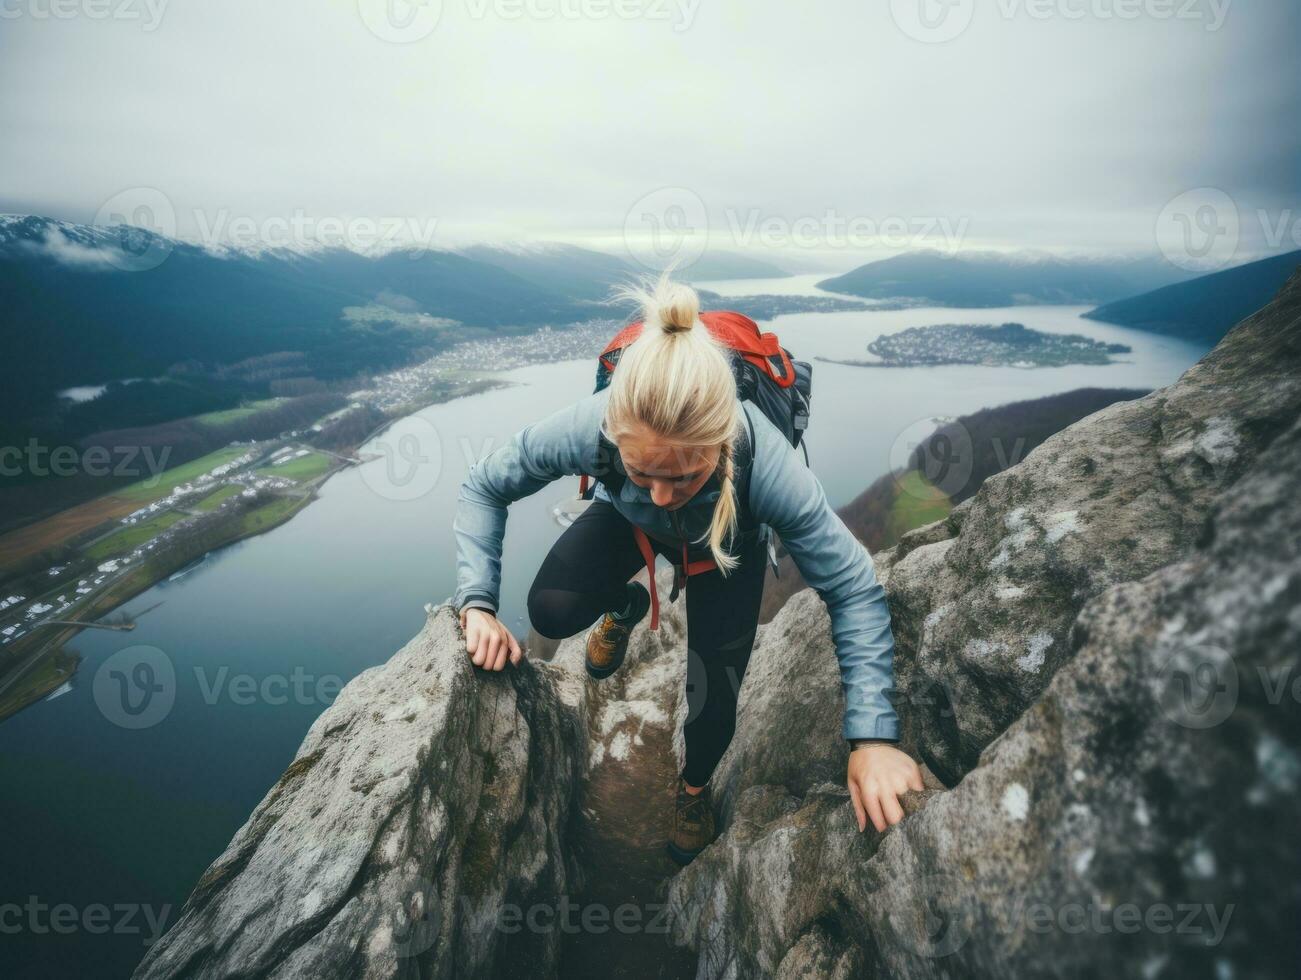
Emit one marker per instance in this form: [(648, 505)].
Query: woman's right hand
[(488, 641)]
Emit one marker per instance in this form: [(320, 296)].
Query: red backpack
[(766, 374)]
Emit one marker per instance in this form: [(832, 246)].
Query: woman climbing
[(698, 472)]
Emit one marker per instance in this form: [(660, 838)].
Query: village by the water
[(167, 522)]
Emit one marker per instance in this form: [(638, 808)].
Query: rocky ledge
[(1096, 662)]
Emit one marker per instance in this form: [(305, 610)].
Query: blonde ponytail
[(677, 380)]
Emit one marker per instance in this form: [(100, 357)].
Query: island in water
[(1008, 345)]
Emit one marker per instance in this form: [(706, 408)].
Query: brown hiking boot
[(693, 824), (607, 641)]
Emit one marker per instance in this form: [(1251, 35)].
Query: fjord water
[(259, 636)]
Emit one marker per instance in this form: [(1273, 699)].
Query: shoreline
[(25, 655)]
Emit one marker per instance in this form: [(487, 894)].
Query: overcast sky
[(978, 124)]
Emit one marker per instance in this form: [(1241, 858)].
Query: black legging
[(585, 575)]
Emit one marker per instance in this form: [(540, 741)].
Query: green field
[(215, 500), (916, 504), (155, 488), (131, 537), (237, 414), (302, 468), (54, 670), (268, 515)]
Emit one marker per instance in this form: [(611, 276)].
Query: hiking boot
[(607, 641), (693, 824)]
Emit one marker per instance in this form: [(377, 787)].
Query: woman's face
[(673, 474)]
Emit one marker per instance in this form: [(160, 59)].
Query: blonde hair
[(676, 379)]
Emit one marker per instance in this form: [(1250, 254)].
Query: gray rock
[(1132, 821), (1096, 652), (983, 603), (427, 798), (1097, 661)]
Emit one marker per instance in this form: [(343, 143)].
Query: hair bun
[(670, 326), (679, 308)]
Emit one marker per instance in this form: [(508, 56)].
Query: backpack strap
[(744, 465)]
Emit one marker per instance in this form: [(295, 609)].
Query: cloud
[(1056, 132), (61, 248)]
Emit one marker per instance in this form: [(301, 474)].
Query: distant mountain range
[(729, 265), (72, 316), (988, 279), (218, 322), (1202, 310), (74, 313)]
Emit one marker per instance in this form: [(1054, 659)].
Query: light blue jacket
[(784, 495)]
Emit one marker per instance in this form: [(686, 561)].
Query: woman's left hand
[(878, 775)]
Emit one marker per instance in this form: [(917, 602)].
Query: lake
[(119, 805)]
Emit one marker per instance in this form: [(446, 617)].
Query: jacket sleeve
[(562, 444), (785, 494)]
